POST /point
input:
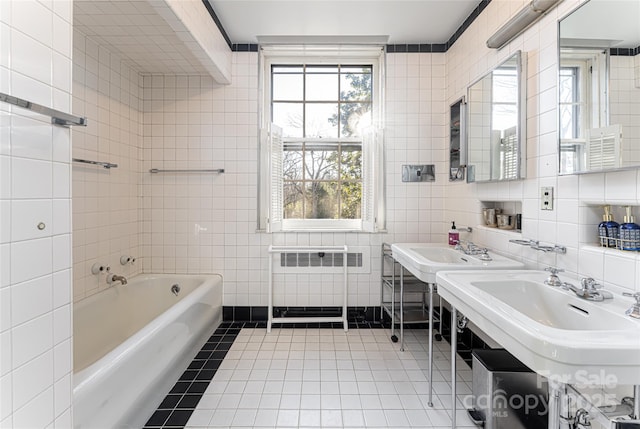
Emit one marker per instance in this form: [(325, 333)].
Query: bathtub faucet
[(111, 278)]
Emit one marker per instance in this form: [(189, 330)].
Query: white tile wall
[(206, 223), (105, 202), (574, 221), (35, 284)]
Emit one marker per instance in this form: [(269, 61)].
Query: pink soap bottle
[(454, 235)]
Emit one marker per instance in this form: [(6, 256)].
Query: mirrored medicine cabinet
[(457, 140), (599, 87), (496, 123)]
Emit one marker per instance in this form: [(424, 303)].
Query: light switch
[(546, 198)]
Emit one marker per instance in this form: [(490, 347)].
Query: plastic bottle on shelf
[(608, 229), (454, 235), (629, 232)]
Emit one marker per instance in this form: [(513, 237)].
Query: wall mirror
[(457, 140), (496, 123), (599, 87)]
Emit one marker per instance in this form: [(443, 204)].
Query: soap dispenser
[(629, 232), (608, 230), (454, 235)]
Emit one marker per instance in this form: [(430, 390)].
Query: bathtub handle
[(125, 259), (98, 268), (175, 289)]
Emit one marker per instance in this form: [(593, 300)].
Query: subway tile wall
[(35, 187), (201, 223), (106, 214), (577, 198)]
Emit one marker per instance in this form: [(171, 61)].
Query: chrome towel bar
[(107, 165), (57, 117), (217, 170)]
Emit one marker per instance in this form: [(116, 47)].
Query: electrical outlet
[(546, 198)]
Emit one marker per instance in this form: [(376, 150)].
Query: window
[(581, 86), (504, 118), (572, 107), (322, 157), (571, 104)]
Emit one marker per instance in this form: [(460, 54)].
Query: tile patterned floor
[(177, 407), (314, 377)]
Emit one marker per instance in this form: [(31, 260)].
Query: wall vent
[(324, 262), (323, 259)]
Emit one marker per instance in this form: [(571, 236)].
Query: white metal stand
[(454, 347), (412, 313), (310, 249)]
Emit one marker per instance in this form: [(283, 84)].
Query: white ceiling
[(151, 38), (403, 21)]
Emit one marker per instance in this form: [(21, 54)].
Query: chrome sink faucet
[(634, 310), (111, 278), (553, 279), (459, 246), (472, 248), (589, 290)]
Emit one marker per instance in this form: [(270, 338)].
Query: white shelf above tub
[(172, 36)]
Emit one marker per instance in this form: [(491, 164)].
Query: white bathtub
[(131, 343)]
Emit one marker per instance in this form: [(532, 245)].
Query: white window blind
[(372, 183), (509, 154), (603, 147), (276, 192)]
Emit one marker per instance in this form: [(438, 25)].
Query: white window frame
[(593, 66), (270, 198)]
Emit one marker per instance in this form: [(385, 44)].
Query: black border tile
[(196, 364), (212, 364), (227, 313), (177, 407), (169, 402), (158, 418), (244, 47), (189, 401), (252, 317), (180, 387), (188, 375), (205, 375), (217, 22), (198, 387), (178, 418), (626, 52)]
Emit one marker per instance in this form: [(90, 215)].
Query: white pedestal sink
[(425, 260), (555, 333)]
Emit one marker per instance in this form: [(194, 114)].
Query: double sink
[(551, 330)]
